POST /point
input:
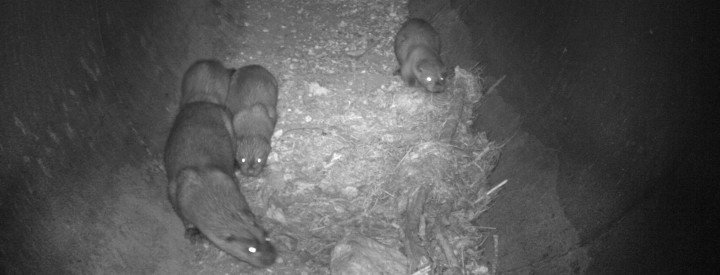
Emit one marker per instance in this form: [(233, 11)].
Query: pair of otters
[(227, 118)]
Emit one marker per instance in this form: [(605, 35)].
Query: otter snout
[(250, 167), (265, 254)]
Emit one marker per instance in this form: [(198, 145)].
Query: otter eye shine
[(252, 100), (417, 49), (200, 159)]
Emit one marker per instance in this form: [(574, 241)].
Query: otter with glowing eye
[(198, 160), (211, 205), (253, 130), (252, 98), (205, 80), (417, 49)]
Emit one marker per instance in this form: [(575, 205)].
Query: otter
[(250, 85), (252, 98), (417, 49), (205, 80), (202, 189), (254, 129)]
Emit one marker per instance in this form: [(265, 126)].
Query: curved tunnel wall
[(601, 85), (598, 83), (60, 118), (87, 87)]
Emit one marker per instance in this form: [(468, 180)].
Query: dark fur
[(250, 85), (254, 129), (417, 49), (202, 189), (252, 98), (205, 80)]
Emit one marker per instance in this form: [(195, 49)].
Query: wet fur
[(205, 80), (199, 165), (252, 98), (254, 128), (417, 49)]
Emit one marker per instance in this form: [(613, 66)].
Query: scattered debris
[(361, 255)]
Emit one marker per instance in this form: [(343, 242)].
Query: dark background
[(613, 91)]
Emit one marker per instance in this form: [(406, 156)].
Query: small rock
[(356, 254), (316, 89), (355, 53), (276, 213), (273, 157), (289, 243), (339, 209), (277, 134), (388, 138), (350, 192)]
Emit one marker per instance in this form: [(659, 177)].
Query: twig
[(495, 260), (483, 241), (492, 88), (488, 193), (412, 216), (496, 188), (462, 260), (446, 248), (371, 43), (450, 125), (404, 157), (423, 271)]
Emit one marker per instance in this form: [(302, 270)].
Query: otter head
[(430, 74), (211, 201), (253, 131), (248, 243), (205, 80), (252, 153)]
